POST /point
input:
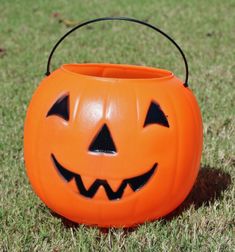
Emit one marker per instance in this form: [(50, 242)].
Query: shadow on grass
[(210, 184)]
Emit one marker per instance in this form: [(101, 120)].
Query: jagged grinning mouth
[(135, 182)]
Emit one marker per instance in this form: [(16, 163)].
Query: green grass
[(205, 30)]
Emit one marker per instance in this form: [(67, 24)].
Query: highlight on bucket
[(112, 145)]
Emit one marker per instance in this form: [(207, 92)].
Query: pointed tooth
[(101, 194), (127, 191), (114, 184), (72, 185), (134, 185), (87, 181), (138, 182)]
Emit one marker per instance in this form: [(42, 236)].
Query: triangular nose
[(103, 142)]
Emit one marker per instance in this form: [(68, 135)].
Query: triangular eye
[(60, 108), (156, 115)]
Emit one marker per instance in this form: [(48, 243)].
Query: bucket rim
[(149, 72)]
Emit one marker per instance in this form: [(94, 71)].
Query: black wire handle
[(124, 19)]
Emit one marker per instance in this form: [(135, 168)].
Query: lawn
[(206, 32)]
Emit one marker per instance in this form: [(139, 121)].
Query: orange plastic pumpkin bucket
[(112, 145)]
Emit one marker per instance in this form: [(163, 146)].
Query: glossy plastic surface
[(119, 97)]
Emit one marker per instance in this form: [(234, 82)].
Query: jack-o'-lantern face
[(109, 151), (103, 144)]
